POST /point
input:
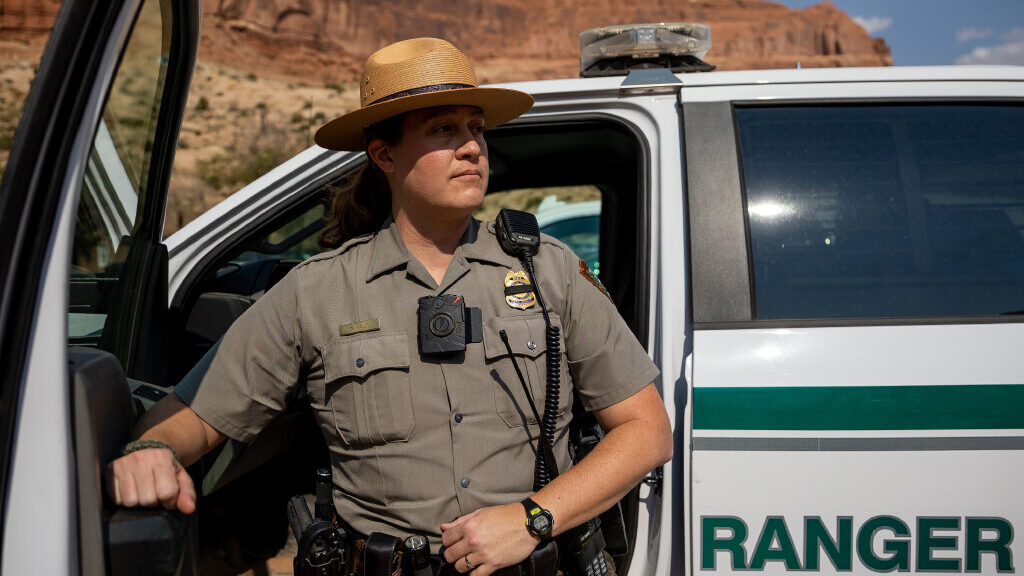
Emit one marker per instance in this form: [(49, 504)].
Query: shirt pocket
[(527, 339), (368, 389)]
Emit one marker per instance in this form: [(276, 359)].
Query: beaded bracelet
[(136, 445)]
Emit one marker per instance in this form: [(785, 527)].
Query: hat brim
[(499, 105)]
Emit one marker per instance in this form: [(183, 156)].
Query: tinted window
[(114, 186), (885, 211), (571, 214)]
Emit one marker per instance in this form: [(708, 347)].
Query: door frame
[(38, 199)]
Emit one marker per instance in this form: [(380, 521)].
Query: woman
[(434, 445)]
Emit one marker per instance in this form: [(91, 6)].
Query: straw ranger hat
[(413, 74)]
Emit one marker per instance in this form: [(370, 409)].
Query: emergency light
[(613, 50)]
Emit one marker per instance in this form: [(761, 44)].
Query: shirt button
[(464, 483), (531, 345), (360, 362), (458, 418)]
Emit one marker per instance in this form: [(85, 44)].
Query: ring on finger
[(469, 565)]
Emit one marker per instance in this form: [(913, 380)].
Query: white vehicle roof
[(542, 88)]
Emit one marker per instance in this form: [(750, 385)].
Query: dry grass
[(17, 69), (245, 126)]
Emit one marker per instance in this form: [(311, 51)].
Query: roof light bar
[(612, 49)]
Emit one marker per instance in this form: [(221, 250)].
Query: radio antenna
[(799, 34)]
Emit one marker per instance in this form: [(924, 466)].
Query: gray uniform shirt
[(416, 441)]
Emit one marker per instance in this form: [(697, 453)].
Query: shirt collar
[(389, 252), (481, 244), (478, 243)]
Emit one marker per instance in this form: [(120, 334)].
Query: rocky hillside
[(521, 39), (508, 39), (270, 71)]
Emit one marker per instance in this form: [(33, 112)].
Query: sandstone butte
[(327, 40)]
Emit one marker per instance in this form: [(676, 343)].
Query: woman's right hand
[(149, 477)]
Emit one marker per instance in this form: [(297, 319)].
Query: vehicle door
[(83, 305), (857, 286)]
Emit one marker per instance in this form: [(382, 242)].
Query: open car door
[(84, 281)]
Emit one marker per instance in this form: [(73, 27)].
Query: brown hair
[(362, 204)]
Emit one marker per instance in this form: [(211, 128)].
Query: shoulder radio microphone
[(518, 232)]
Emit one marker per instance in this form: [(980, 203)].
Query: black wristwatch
[(538, 520)]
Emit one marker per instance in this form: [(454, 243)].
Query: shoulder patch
[(586, 273)]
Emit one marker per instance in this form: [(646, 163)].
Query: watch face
[(541, 524)]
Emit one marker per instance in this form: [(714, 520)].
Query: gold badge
[(518, 297)]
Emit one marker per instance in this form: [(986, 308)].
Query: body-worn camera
[(446, 324)]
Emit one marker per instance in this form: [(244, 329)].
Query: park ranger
[(437, 445)]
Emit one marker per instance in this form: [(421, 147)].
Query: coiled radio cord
[(543, 472)]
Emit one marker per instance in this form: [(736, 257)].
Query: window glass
[(114, 187), (570, 213), (270, 256), (294, 240), (885, 211)]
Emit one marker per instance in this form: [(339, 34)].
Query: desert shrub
[(232, 171)]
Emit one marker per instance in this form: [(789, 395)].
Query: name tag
[(371, 325)]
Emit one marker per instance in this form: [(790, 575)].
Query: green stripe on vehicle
[(949, 407)]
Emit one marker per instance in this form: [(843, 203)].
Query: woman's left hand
[(492, 538)]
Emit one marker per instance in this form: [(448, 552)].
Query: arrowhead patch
[(589, 275)]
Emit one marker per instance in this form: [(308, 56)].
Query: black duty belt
[(381, 555)]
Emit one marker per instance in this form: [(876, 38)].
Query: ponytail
[(361, 205)]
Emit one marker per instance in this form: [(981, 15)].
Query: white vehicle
[(827, 266)]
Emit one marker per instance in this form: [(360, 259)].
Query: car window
[(885, 211), (570, 213), (266, 257), (296, 239), (114, 186)]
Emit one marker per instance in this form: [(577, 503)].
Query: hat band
[(422, 90)]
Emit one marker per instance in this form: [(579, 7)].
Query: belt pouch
[(381, 555), (543, 561)]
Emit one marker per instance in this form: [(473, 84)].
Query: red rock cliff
[(524, 39), (28, 15), (327, 40)]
